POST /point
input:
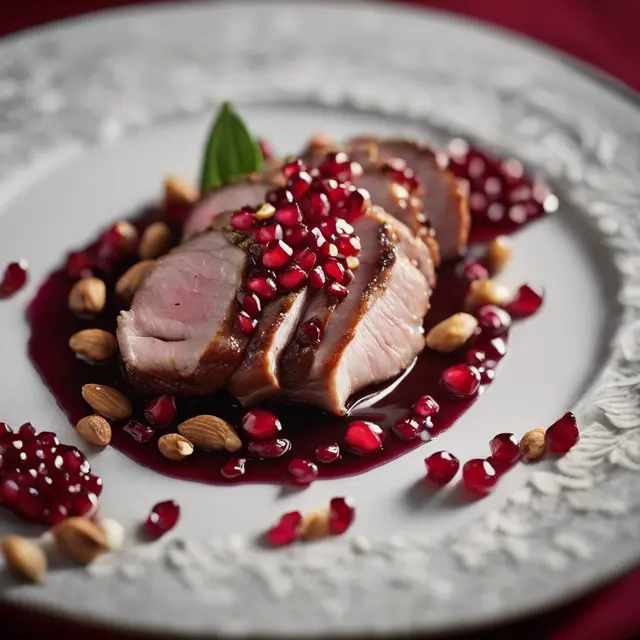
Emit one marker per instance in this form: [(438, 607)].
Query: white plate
[(93, 114)]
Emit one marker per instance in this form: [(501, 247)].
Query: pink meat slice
[(179, 335), (371, 335), (231, 197)]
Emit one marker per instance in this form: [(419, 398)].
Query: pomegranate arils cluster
[(13, 279), (162, 518), (302, 235), (44, 480), (499, 190)]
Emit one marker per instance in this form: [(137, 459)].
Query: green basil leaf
[(231, 152)]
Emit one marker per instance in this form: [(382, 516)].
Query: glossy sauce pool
[(52, 324)]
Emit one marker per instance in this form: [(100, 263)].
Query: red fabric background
[(603, 33)]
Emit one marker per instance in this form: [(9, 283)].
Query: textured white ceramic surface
[(94, 113)]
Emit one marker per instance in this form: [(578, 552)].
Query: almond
[(452, 333), (210, 433), (497, 254), (95, 430), (129, 238), (352, 262), (87, 296), (265, 212), (93, 344), (320, 144), (486, 292), (174, 446), (532, 445), (131, 280), (315, 524), (107, 402), (79, 539), (156, 241), (179, 189), (25, 558)]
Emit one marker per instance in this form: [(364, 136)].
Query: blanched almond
[(93, 344), (315, 525), (24, 558), (452, 333), (486, 292), (532, 445), (107, 402), (179, 189), (88, 295), (79, 539), (174, 446), (131, 280), (497, 254), (128, 236), (156, 241), (210, 433), (95, 430)]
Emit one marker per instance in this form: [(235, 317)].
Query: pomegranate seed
[(268, 233), (274, 448), (72, 458), (563, 434), (4, 429), (279, 197), (289, 214), (305, 258), (54, 514), (261, 423), (234, 468), (335, 192), (527, 301), (358, 202), (286, 531), (317, 278), (93, 484), (246, 323), (160, 411), (293, 167), (84, 503), (487, 376), (26, 431), (316, 240), (292, 278), (337, 290), (296, 235), (316, 206), (475, 271), (80, 264), (10, 490), (336, 165), (263, 286), (504, 448), (407, 428), (299, 184), (328, 250), (249, 302), (479, 477), (276, 254), (328, 453), (348, 246), (426, 407), (492, 320), (310, 332), (303, 471), (47, 439), (364, 437), (162, 518), (334, 270), (15, 277), (341, 515), (243, 220), (441, 466), (139, 432), (461, 380)]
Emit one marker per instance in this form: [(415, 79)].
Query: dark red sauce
[(307, 428)]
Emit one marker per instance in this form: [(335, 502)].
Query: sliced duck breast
[(179, 336), (445, 203), (230, 197), (370, 336)]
